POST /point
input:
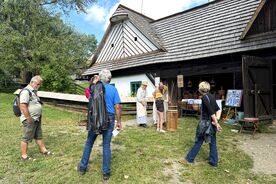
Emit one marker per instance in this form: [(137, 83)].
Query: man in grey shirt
[(31, 108)]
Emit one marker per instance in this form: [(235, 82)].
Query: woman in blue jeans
[(207, 127)]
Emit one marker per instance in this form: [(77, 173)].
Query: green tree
[(35, 40)]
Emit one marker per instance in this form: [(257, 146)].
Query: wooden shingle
[(209, 30)]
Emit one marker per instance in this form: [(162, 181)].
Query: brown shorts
[(31, 131)]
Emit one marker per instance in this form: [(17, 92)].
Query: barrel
[(171, 120)]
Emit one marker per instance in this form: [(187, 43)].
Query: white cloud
[(154, 9), (96, 14), (111, 11)]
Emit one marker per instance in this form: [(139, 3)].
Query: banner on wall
[(180, 81)]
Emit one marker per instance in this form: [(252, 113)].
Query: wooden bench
[(249, 123)]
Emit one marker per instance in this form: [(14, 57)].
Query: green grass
[(85, 84), (138, 155)]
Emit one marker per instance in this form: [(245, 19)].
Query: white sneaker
[(158, 129), (162, 131)]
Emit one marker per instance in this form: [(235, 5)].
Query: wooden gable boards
[(125, 40), (263, 20)]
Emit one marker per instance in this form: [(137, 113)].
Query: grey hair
[(37, 78), (105, 75)]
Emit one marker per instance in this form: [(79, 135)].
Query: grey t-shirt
[(34, 105)]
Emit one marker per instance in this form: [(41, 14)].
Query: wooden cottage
[(230, 43)]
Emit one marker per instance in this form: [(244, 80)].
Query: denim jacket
[(205, 129)]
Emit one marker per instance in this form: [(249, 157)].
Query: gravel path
[(262, 148)]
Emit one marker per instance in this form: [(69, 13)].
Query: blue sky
[(97, 18)]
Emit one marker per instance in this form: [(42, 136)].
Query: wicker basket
[(183, 105)]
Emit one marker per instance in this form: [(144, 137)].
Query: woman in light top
[(141, 105)]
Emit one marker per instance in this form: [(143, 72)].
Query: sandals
[(46, 153), (26, 159)]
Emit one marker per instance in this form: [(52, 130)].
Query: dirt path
[(262, 148)]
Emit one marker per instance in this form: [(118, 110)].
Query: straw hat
[(145, 83)]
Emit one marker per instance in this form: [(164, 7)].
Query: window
[(134, 87)]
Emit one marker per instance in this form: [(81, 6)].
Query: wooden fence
[(80, 102)]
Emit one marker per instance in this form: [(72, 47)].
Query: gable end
[(263, 21)]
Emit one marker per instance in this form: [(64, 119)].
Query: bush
[(6, 82), (57, 79)]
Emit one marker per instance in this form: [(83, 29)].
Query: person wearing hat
[(207, 126), (165, 96), (141, 105)]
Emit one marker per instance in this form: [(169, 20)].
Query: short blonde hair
[(204, 87)]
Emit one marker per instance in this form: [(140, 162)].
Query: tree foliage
[(65, 5), (35, 40)]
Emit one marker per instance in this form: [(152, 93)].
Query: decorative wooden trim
[(125, 39), (250, 23)]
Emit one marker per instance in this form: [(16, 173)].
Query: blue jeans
[(91, 137), (213, 154)]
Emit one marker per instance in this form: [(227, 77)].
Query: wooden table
[(246, 123)]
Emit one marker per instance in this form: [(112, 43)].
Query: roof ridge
[(188, 10)]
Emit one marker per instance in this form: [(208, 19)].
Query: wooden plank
[(257, 81), (78, 98)]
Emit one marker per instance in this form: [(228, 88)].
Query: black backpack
[(16, 103), (97, 114)]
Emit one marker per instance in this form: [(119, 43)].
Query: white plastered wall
[(123, 84)]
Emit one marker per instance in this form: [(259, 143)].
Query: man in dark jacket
[(113, 109)]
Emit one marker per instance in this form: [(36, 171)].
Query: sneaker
[(158, 129), (162, 131), (106, 176), (144, 125), (213, 165), (82, 172)]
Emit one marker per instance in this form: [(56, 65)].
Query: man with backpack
[(112, 109), (31, 108)]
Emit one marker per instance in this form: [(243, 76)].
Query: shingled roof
[(209, 30)]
